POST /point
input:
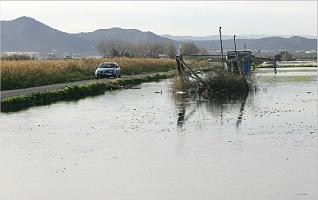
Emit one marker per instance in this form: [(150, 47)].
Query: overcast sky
[(176, 18)]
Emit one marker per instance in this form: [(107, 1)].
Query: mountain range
[(26, 34), (226, 37)]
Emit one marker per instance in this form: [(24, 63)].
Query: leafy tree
[(283, 56), (277, 57), (286, 56), (189, 48), (203, 51), (170, 50)]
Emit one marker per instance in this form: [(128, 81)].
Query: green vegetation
[(71, 93), (297, 65), (288, 66), (291, 78)]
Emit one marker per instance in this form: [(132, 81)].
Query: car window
[(107, 65)]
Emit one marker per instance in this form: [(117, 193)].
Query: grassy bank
[(289, 66), (71, 93), (30, 73)]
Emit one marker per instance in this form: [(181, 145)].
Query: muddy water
[(150, 144)]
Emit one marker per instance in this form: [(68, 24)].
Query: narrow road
[(26, 91)]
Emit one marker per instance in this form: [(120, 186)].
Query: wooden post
[(178, 65), (275, 67)]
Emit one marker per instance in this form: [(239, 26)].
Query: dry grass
[(28, 73)]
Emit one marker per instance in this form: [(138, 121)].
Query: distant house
[(163, 56)]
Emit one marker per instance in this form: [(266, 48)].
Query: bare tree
[(149, 49), (113, 48)]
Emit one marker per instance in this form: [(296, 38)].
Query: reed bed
[(30, 73)]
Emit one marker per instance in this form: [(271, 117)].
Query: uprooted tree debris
[(232, 80), (214, 84)]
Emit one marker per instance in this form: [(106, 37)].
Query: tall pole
[(221, 44), (237, 57), (234, 43)]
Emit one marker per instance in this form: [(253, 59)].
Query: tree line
[(119, 48), (284, 56), (17, 57)]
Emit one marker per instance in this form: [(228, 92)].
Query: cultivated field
[(29, 73)]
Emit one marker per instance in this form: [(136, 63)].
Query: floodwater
[(151, 144)]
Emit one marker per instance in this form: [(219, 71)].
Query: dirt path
[(26, 91)]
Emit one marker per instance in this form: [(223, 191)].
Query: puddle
[(152, 144)]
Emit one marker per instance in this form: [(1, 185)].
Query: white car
[(267, 64), (108, 69)]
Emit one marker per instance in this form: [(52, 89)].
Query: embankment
[(71, 93)]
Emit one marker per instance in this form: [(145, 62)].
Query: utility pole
[(235, 43), (221, 44), (222, 56), (238, 62)]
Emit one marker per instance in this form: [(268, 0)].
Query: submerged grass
[(289, 66), (227, 85), (291, 78), (219, 85), (71, 93)]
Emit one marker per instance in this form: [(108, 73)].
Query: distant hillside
[(132, 36), (196, 38), (226, 37), (268, 44), (26, 34)]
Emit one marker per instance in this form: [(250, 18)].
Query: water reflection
[(189, 103), (184, 103), (239, 118)]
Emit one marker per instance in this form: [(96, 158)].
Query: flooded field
[(148, 143)]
